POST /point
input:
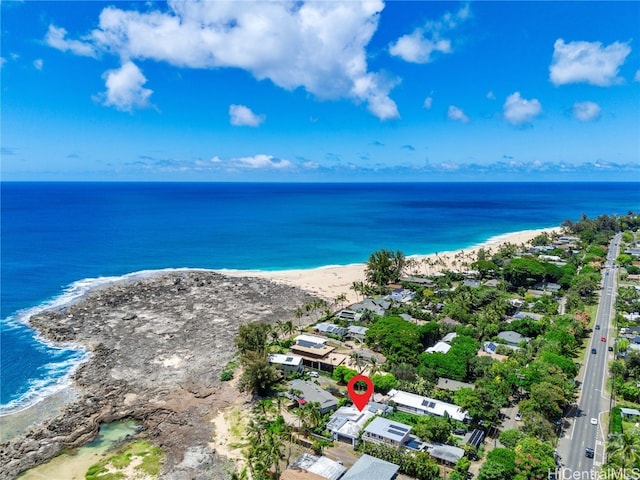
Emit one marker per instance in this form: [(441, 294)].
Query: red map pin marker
[(360, 399)]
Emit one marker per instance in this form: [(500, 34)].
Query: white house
[(382, 430), (287, 363), (419, 405)]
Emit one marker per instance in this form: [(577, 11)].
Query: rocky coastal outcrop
[(157, 347)]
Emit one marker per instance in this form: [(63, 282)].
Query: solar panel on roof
[(289, 359), (398, 429), (308, 344), (432, 404)]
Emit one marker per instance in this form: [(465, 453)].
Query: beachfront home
[(349, 315), (377, 306), (388, 432), (401, 295), (419, 405), (289, 364), (306, 392), (370, 468), (311, 467), (325, 328), (316, 353)]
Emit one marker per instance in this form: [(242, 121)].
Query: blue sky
[(320, 91)]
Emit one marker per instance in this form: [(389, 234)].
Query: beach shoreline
[(332, 281)]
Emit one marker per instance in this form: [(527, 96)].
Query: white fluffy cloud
[(428, 102), (125, 88), (455, 113), (243, 116), (636, 78), (320, 46), (588, 62), (585, 111), (518, 110), (56, 38), (259, 161), (421, 45), (38, 64)]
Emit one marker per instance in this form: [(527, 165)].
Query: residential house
[(377, 306), (440, 347), (287, 363), (449, 322), (371, 468), (349, 315), (471, 283), (453, 385), (630, 414), (417, 280), (511, 338), (307, 392), (316, 353), (388, 432), (401, 295), (531, 315), (325, 328), (446, 454), (419, 405), (356, 332), (449, 337), (347, 422), (319, 467)]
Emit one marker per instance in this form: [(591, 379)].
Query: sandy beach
[(333, 281)]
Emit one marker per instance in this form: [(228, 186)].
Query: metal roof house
[(323, 467), (286, 363), (446, 454), (313, 393), (330, 328), (370, 468), (382, 430), (419, 405)]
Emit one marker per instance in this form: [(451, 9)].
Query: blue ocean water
[(60, 239)]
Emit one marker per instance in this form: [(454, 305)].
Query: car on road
[(603, 339), (594, 421), (593, 350), (518, 417), (598, 327), (589, 452)]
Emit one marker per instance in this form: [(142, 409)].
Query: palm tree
[(624, 449), (374, 366), (356, 358), (340, 300), (288, 328)]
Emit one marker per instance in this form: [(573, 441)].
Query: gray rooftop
[(388, 429), (370, 468), (313, 393), (447, 453), (322, 466)]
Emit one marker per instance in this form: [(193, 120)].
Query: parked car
[(313, 374), (518, 416), (610, 348)]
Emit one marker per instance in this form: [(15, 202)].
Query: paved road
[(594, 401)]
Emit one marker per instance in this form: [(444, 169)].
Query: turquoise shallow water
[(61, 239)]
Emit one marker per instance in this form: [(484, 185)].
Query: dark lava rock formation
[(157, 347)]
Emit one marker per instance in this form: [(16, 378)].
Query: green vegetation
[(140, 454)]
